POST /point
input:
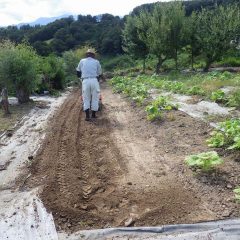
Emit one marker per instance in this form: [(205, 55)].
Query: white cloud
[(14, 12)]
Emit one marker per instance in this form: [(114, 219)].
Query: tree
[(190, 37), (4, 102), (216, 29), (19, 69), (174, 15), (132, 44), (153, 31), (42, 48)]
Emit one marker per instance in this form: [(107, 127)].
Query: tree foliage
[(168, 30), (103, 32), (164, 29), (19, 65), (52, 72), (132, 40), (216, 29)]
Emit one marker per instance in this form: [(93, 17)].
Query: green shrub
[(19, 69), (230, 62), (53, 75)]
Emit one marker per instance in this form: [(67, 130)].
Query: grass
[(17, 112)]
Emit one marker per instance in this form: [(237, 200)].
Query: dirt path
[(121, 170)]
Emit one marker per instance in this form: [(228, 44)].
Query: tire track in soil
[(73, 164), (102, 173)]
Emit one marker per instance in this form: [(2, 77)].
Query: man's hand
[(79, 74), (101, 77)]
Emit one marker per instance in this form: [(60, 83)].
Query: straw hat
[(91, 51)]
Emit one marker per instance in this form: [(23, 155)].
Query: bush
[(230, 62), (19, 68), (53, 76)]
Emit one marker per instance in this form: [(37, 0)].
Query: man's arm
[(78, 69)]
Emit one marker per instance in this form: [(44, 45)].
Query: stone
[(129, 222)]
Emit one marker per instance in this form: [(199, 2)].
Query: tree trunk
[(144, 65), (207, 66), (22, 95), (158, 66), (5, 103), (192, 59), (176, 59)]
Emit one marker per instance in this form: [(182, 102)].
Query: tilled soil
[(121, 170)]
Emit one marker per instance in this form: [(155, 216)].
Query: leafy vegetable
[(206, 160), (227, 134), (237, 193), (154, 109)]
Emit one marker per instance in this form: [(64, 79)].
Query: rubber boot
[(94, 114), (87, 115)]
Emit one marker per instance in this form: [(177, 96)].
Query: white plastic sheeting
[(23, 217), (22, 214), (26, 140), (200, 110)]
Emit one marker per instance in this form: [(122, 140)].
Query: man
[(89, 69), (4, 101)]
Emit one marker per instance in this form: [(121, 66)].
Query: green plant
[(53, 73), (195, 90), (230, 61), (205, 161), (227, 134), (133, 88), (218, 96), (217, 139), (19, 69), (216, 28), (154, 110), (237, 193), (233, 100)]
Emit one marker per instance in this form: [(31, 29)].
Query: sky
[(25, 11)]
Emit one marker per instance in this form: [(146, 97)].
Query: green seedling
[(154, 110), (237, 193), (227, 134), (218, 96), (205, 161)]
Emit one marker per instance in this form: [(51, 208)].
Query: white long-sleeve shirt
[(89, 67)]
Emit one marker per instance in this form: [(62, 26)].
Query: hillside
[(104, 33)]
